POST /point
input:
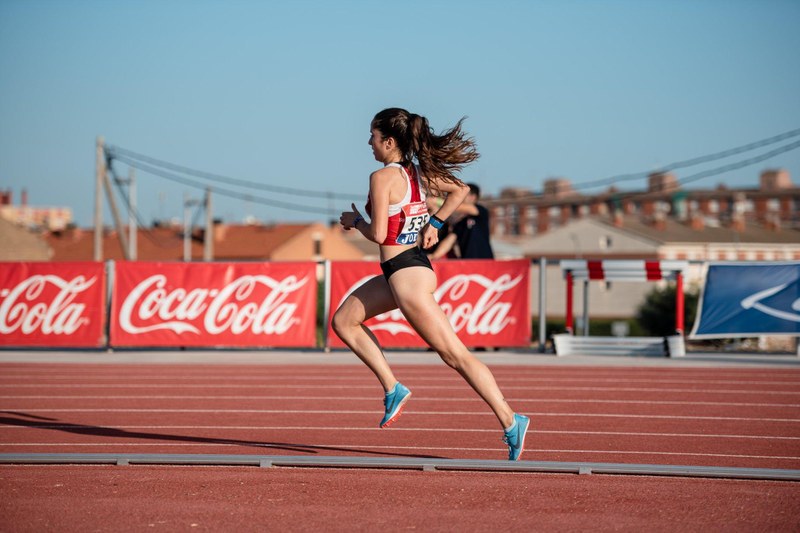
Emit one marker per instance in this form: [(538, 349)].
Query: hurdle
[(624, 271)]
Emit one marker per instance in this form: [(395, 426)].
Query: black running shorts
[(412, 257)]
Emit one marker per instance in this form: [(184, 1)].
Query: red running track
[(735, 417), (711, 417)]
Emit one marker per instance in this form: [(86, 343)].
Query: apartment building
[(663, 222), (774, 205), (51, 218)]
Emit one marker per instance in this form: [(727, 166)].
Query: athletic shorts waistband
[(410, 258)]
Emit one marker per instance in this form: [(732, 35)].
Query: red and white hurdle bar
[(625, 270)]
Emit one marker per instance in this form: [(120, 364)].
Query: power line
[(690, 162), (224, 192), (137, 215), (719, 170), (740, 164), (115, 151)]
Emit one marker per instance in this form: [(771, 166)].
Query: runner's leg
[(413, 290), (370, 299)]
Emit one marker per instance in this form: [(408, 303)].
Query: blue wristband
[(436, 222), (358, 219)]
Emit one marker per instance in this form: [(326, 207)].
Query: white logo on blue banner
[(749, 299)]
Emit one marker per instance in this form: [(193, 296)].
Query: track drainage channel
[(426, 465)]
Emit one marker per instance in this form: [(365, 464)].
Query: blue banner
[(749, 299)]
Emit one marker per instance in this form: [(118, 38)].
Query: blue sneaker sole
[(397, 413)]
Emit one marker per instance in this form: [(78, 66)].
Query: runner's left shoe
[(515, 437), (394, 402)]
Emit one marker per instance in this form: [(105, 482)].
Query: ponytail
[(439, 156)]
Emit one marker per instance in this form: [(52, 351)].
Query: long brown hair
[(438, 155)]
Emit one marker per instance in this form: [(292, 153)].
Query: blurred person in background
[(472, 228)]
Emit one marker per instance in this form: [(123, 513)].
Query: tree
[(656, 315)]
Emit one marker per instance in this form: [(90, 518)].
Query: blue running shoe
[(394, 402), (515, 437)]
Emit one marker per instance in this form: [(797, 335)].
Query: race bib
[(416, 216)]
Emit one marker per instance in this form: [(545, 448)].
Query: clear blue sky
[(282, 92)]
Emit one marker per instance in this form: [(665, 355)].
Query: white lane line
[(357, 369), (373, 387), (398, 430), (361, 447), (29, 410), (373, 399), (360, 377), (692, 454)]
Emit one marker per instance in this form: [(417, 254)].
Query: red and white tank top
[(410, 215)]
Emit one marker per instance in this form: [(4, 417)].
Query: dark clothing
[(472, 233), (444, 231), (410, 258)]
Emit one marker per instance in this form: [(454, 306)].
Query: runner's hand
[(348, 218), (429, 235)]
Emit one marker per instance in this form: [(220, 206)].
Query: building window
[(554, 216), (531, 220), (316, 238), (530, 227), (662, 206), (513, 220)]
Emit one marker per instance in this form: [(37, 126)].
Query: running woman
[(400, 223)]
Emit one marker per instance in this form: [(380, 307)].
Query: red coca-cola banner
[(214, 304), (487, 302), (52, 304)]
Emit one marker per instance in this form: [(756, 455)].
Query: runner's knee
[(452, 358), (343, 321)]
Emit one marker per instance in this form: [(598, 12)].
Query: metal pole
[(208, 240), (679, 326), (542, 304), (112, 203), (187, 243), (100, 170), (133, 228), (568, 324), (586, 308), (326, 307)]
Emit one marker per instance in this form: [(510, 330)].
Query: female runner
[(400, 222)]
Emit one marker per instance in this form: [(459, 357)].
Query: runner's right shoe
[(394, 402)]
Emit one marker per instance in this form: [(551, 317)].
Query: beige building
[(598, 237), (18, 243)]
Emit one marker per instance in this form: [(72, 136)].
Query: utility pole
[(100, 174), (130, 248), (208, 241), (133, 225), (112, 203)]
